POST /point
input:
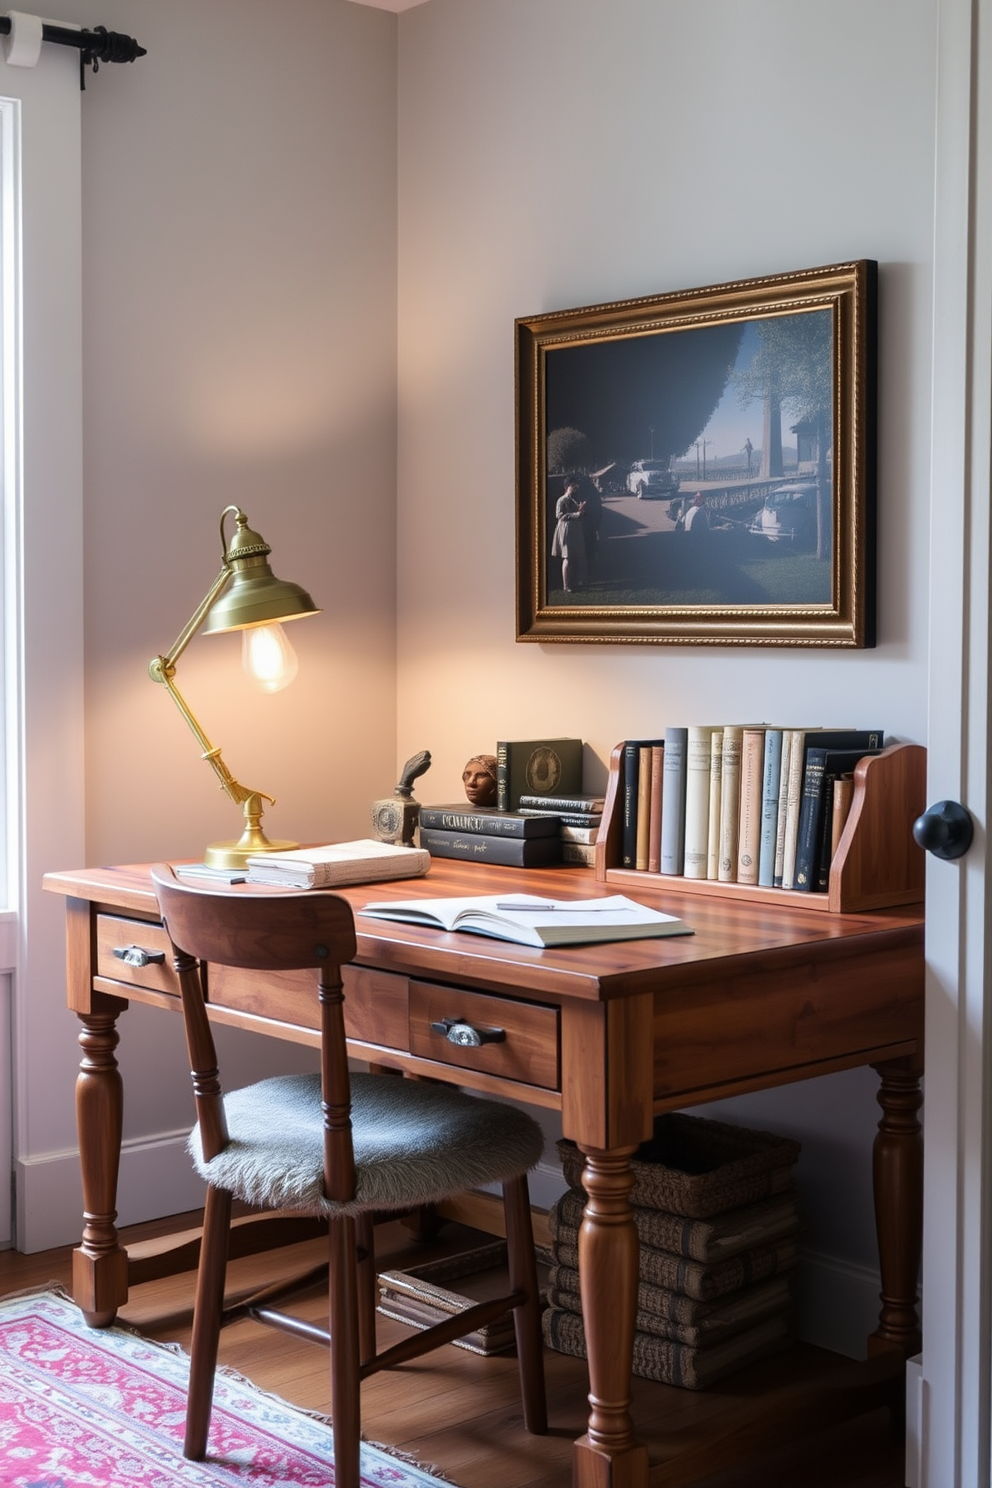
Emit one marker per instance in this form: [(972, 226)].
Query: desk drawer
[(142, 942), (527, 1051)]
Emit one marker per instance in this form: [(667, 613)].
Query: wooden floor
[(460, 1413)]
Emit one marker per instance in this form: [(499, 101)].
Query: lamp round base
[(236, 855)]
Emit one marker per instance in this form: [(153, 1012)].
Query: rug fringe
[(56, 1289)]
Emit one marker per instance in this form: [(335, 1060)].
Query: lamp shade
[(254, 596)]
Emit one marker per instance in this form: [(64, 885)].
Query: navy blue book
[(462, 817), (480, 847)]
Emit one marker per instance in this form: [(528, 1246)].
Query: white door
[(954, 1404), (41, 384)]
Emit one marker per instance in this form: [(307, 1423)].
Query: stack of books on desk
[(486, 835), (749, 804), (579, 818), (716, 1218)]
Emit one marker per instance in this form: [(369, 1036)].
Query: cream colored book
[(749, 821), (365, 861), (730, 801), (699, 752), (793, 796), (716, 791)]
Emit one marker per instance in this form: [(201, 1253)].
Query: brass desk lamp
[(245, 596)]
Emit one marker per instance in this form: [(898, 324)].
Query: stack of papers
[(364, 861), (530, 920)]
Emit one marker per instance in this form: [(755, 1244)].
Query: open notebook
[(530, 920)]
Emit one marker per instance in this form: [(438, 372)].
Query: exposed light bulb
[(268, 657)]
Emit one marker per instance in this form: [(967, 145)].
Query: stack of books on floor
[(715, 1212), (748, 804)]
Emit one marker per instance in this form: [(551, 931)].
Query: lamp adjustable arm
[(162, 669)]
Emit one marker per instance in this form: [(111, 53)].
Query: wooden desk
[(761, 995)]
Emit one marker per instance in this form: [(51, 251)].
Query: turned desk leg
[(898, 1182), (608, 1456), (99, 1265)]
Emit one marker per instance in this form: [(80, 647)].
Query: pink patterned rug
[(105, 1408)]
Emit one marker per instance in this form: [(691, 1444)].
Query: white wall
[(239, 294), (566, 152)]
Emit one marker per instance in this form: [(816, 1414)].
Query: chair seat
[(414, 1143)]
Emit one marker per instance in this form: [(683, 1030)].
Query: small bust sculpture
[(479, 780)]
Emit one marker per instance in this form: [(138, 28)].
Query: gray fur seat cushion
[(414, 1143)]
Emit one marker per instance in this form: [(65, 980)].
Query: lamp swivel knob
[(946, 830)]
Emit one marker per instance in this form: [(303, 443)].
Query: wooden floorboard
[(461, 1413)]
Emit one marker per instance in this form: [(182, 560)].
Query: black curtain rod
[(94, 46)]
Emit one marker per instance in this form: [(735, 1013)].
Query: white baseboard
[(156, 1179)]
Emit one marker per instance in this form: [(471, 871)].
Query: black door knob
[(945, 830)]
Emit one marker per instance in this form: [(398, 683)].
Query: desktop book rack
[(877, 864)]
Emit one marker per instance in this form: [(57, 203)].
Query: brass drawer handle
[(467, 1037), (133, 955)]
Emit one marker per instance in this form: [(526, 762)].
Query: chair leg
[(368, 1286), (345, 1352), (526, 1317), (207, 1311)]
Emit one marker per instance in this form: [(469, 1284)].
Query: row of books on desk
[(741, 804)]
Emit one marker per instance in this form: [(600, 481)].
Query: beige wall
[(566, 152), (239, 283)]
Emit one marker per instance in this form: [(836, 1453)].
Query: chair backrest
[(264, 933)]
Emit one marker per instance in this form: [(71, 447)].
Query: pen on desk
[(567, 908)]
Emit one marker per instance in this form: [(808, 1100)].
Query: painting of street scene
[(692, 467)]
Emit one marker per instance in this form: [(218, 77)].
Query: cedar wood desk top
[(727, 934)]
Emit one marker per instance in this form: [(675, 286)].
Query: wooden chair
[(339, 1145)]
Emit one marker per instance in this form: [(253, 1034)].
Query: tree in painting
[(791, 372)]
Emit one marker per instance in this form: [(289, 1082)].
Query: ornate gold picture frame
[(697, 468)]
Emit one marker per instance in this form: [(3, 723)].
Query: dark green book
[(537, 767), (479, 847), (488, 820)]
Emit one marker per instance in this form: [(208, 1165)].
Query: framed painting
[(697, 468)]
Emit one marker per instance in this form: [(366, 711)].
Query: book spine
[(654, 826), (510, 852), (824, 850), (810, 809), (643, 806), (769, 807), (631, 772), (783, 792), (699, 753), (490, 826), (749, 823), (576, 819), (564, 803), (730, 801), (673, 802), (716, 794), (793, 805), (502, 777), (843, 795), (583, 853), (578, 834)]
